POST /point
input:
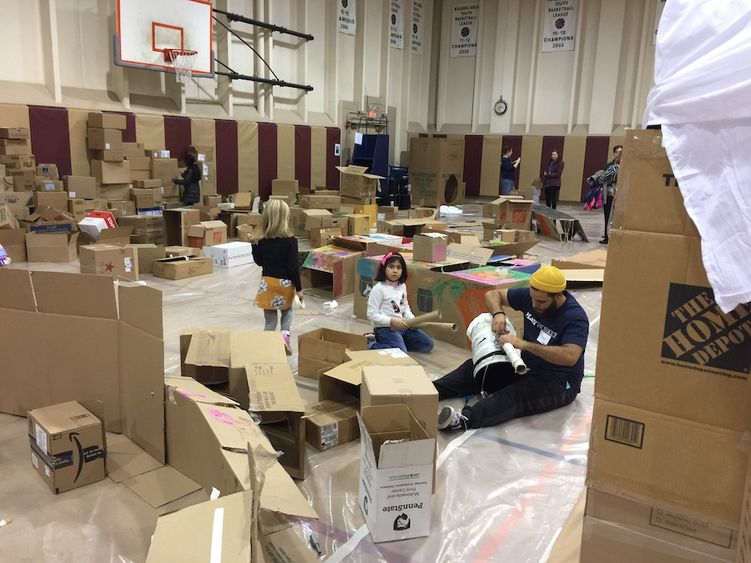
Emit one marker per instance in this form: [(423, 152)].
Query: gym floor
[(502, 493)]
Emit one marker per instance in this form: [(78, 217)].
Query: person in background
[(190, 181), (275, 250), (536, 190), (556, 329), (609, 179), (508, 171), (388, 309), (552, 179)]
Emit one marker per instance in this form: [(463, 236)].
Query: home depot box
[(67, 446), (322, 237), (624, 530), (320, 200), (177, 222), (511, 213), (107, 120), (110, 260), (80, 186), (331, 423), (51, 247), (325, 348), (110, 172), (357, 183), (430, 247), (14, 243), (330, 270), (55, 200), (182, 267), (396, 473), (164, 169), (207, 233), (744, 532), (104, 139), (230, 254), (435, 171), (357, 224)]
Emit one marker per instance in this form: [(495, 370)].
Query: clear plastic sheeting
[(502, 495)]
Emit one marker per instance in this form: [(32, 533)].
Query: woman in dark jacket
[(190, 181), (552, 179)]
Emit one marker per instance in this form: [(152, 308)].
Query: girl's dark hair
[(381, 275), (506, 150), (190, 160)]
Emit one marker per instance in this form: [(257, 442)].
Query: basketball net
[(183, 60)]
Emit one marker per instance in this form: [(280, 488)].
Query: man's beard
[(552, 308)]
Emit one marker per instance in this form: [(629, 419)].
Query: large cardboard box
[(55, 200), (104, 139), (430, 247), (324, 348), (109, 155), (51, 247), (357, 183), (319, 200), (81, 187), (152, 183), (182, 267), (109, 260), (509, 212), (67, 446), (396, 473), (18, 162), (330, 423), (96, 222), (14, 132), (145, 255), (177, 222), (435, 172), (146, 228), (44, 184), (110, 172), (107, 120), (102, 345), (303, 220), (230, 254), (330, 270), (14, 243), (357, 224), (7, 218), (322, 237), (286, 188), (24, 180), (207, 233), (119, 236), (13, 147), (164, 169), (623, 530)]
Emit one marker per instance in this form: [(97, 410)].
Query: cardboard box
[(510, 213), (153, 183), (744, 532), (55, 200), (110, 172), (44, 184), (124, 208), (322, 237), (357, 183), (230, 254), (80, 186), (51, 247), (165, 169), (623, 530), (208, 178), (324, 348), (107, 120), (140, 175), (109, 155), (183, 267), (13, 147), (593, 259), (388, 211), (7, 218), (48, 171), (77, 208), (396, 479), (286, 188), (133, 149), (430, 247), (435, 171), (303, 220), (18, 162), (109, 260), (145, 255), (321, 201), (14, 133), (177, 222), (18, 202), (402, 227), (24, 180), (119, 236), (95, 222), (207, 233), (147, 198), (173, 251), (104, 139), (243, 200), (330, 423), (212, 200), (330, 270), (357, 224), (53, 431), (146, 228), (14, 243)]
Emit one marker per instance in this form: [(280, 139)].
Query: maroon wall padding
[(515, 143), (129, 135), (302, 155), (266, 158), (226, 156), (549, 144), (177, 135), (472, 163), (595, 157), (50, 137), (333, 136)]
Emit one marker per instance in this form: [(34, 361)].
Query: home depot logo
[(698, 332)]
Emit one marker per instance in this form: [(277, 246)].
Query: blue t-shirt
[(566, 325)]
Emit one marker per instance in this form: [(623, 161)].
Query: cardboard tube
[(426, 318), (440, 326)]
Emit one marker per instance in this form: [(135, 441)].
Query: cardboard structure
[(357, 183), (330, 269), (182, 267), (430, 247), (177, 222), (557, 225), (51, 247), (331, 423), (99, 348), (435, 171), (323, 348), (509, 212), (109, 260)]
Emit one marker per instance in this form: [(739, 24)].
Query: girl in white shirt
[(388, 309)]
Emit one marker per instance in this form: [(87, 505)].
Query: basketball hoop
[(183, 60)]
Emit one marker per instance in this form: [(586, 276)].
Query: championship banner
[(396, 25), (347, 16), (464, 30), (559, 27)]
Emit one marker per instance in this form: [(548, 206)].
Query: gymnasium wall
[(59, 53)]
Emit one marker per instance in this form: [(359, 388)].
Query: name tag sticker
[(543, 338)]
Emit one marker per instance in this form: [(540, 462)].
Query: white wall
[(59, 52)]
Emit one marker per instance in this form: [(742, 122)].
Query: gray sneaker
[(450, 419)]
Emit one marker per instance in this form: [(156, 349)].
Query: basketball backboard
[(145, 29)]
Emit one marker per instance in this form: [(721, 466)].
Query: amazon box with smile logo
[(67, 446)]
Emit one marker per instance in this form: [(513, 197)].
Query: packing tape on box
[(216, 536)]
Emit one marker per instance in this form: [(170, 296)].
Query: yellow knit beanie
[(549, 279)]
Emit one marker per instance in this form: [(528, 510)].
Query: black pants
[(607, 206), (510, 395), (551, 196)]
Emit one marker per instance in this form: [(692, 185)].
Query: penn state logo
[(402, 522)]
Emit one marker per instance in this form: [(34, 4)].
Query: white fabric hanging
[(702, 99)]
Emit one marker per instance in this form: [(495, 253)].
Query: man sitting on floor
[(555, 337)]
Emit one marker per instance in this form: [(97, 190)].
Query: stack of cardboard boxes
[(436, 166), (672, 397)]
